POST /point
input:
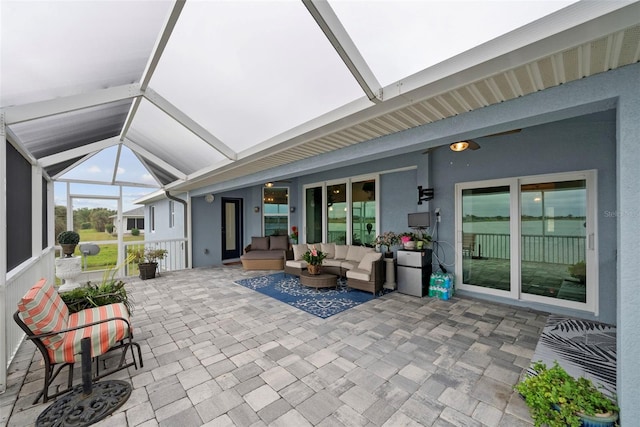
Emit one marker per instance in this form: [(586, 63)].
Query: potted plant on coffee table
[(314, 259), (556, 399), (147, 260), (68, 240)]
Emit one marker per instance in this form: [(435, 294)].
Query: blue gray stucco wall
[(547, 145)]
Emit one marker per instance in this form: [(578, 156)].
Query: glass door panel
[(337, 214), (553, 239), (363, 212), (313, 215), (275, 207), (486, 237)]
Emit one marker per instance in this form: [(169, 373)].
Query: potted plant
[(314, 259), (387, 239), (147, 260), (294, 234), (556, 399), (408, 240), (68, 240)]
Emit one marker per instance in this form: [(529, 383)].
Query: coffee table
[(317, 281)]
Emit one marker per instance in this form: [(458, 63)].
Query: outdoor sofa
[(265, 253), (361, 265)]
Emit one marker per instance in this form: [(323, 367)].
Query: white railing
[(176, 258), (19, 281)]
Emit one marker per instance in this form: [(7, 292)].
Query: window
[(530, 238), (172, 214), (343, 212), (152, 218), (275, 208)]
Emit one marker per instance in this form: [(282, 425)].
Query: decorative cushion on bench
[(44, 311), (103, 336)]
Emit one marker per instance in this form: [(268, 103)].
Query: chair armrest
[(247, 248), (377, 270), (85, 325), (288, 254)]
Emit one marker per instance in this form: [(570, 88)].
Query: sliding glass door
[(553, 238), (529, 238)]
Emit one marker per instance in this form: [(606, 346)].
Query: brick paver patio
[(219, 354)]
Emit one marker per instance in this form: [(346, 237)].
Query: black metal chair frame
[(53, 369)]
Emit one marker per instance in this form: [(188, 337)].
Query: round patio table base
[(77, 409)]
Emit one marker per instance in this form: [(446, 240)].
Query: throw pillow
[(279, 243), (329, 249), (299, 250), (355, 253), (259, 243), (341, 251), (367, 261)]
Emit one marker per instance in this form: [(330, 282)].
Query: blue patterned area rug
[(321, 302), (582, 347)]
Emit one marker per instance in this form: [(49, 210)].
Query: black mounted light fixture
[(424, 194)]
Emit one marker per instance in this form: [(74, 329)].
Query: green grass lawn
[(108, 255)]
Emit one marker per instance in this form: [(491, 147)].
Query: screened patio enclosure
[(224, 95)]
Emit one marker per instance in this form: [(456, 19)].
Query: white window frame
[(152, 218), (515, 183), (349, 202), (287, 213)]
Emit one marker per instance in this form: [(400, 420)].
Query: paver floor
[(218, 354)]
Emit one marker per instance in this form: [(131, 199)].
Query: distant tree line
[(83, 218)]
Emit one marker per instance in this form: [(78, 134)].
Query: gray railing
[(535, 248)]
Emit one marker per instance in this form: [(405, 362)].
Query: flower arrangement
[(294, 234), (388, 239), (314, 256)]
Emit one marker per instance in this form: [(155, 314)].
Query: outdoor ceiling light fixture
[(269, 184), (459, 146)]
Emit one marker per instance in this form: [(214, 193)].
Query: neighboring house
[(133, 218)]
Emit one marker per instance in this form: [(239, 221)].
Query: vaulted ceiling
[(205, 92)]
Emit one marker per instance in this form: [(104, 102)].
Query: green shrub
[(109, 228), (135, 232), (86, 226)]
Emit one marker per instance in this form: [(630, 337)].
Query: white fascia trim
[(36, 110), (186, 121), (81, 151), (339, 38), (153, 197), (138, 150)]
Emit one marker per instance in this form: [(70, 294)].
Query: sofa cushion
[(329, 249), (296, 264), (358, 274), (348, 265), (355, 253), (331, 262), (341, 251), (367, 261), (259, 243), (299, 251), (278, 243)]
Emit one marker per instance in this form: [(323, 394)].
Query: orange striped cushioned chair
[(57, 333)]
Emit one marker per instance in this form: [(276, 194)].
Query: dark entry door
[(231, 228)]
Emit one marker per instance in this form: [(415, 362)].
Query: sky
[(100, 168)]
